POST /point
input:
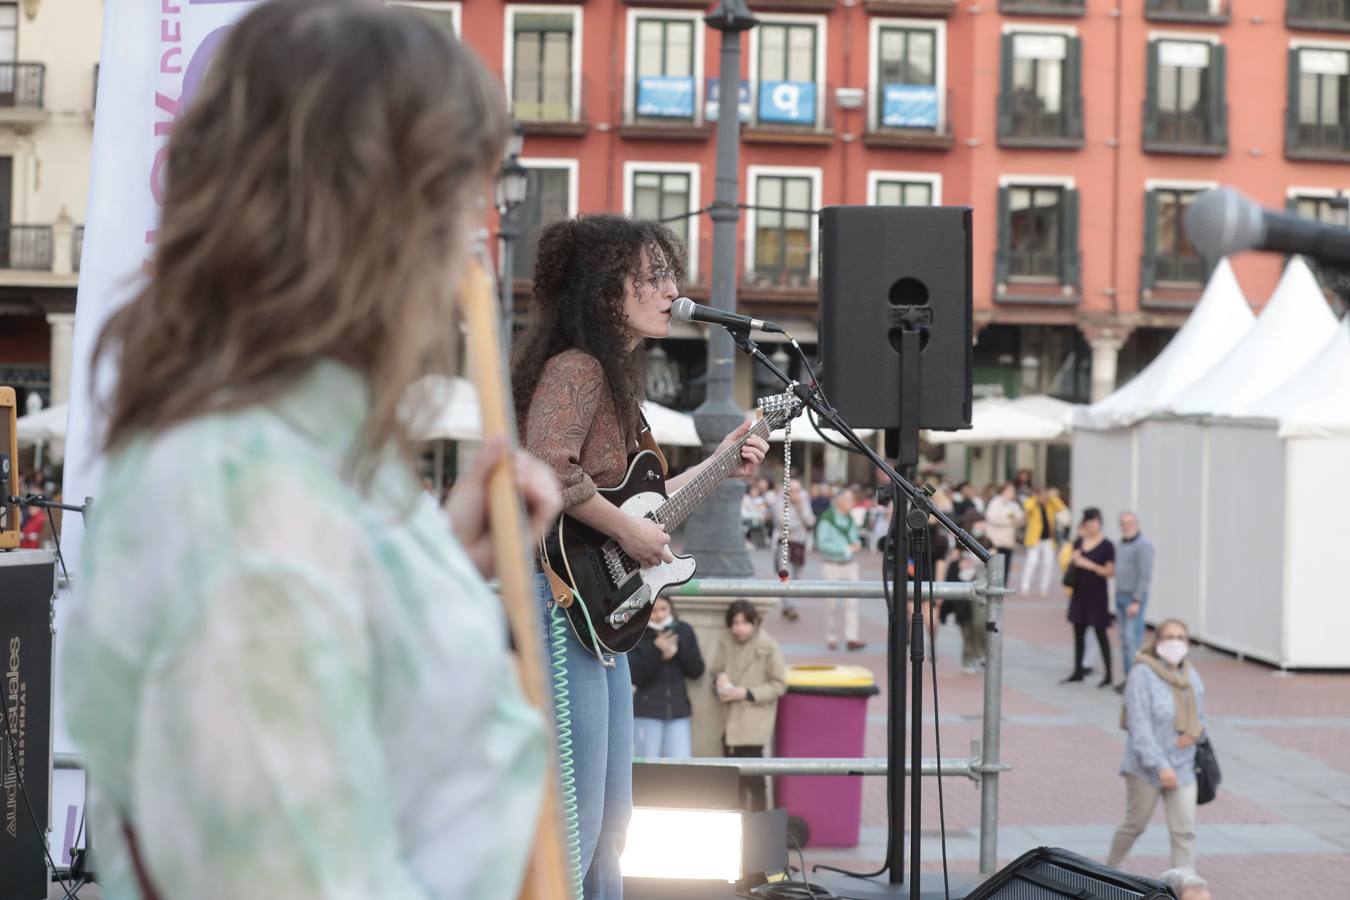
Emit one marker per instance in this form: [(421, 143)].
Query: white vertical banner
[(154, 55)]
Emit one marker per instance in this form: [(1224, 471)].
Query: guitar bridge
[(616, 564)]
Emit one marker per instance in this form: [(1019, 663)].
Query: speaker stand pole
[(866, 887)]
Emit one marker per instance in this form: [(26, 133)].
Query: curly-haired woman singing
[(602, 285)]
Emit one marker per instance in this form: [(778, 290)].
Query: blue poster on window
[(668, 96), (742, 100), (787, 102), (909, 106)]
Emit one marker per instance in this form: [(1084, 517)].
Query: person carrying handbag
[(1164, 714)]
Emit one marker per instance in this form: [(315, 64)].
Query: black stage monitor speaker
[(882, 269), (1048, 873)]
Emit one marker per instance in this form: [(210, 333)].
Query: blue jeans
[(1131, 627), (662, 738), (601, 699)]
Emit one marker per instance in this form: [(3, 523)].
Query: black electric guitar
[(612, 594)]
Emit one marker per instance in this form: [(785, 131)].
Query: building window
[(904, 192), (1169, 258), (783, 229), (543, 46), (1186, 10), (1185, 110), (907, 77), (1328, 208), (445, 15), (1040, 100), (787, 91), (1038, 235), (666, 194), (664, 69), (1330, 14), (1319, 84), (548, 199)]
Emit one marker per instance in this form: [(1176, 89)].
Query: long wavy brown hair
[(320, 191), (580, 271)]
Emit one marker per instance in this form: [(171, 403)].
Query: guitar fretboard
[(682, 502)]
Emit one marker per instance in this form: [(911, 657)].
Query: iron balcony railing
[(1034, 264), (1178, 269), (21, 85), (1195, 128), (1333, 14), (1187, 10), (1025, 116), (26, 247)]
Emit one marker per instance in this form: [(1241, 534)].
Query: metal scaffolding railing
[(983, 766)]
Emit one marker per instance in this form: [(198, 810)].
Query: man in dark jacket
[(666, 655)]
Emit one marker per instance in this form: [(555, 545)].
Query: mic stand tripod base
[(930, 886)]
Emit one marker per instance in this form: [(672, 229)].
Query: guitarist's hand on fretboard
[(752, 452)]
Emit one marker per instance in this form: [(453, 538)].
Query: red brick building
[(1078, 130)]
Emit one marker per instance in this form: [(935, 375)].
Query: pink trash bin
[(823, 714)]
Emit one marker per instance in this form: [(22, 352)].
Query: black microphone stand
[(45, 502), (914, 505)]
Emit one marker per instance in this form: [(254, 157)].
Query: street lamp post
[(512, 182), (713, 533)]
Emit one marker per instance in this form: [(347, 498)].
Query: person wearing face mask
[(1164, 714), (666, 655)]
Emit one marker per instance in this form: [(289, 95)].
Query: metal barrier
[(983, 766)]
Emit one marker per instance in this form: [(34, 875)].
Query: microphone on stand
[(685, 310), (1223, 222)]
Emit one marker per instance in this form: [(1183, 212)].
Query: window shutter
[(1148, 264), (1218, 97), (1151, 94), (1291, 107), (1001, 256), (1005, 124), (1073, 88), (1069, 268)]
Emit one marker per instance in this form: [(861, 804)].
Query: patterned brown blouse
[(572, 425)]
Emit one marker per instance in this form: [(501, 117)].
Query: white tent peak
[(1218, 322), (1296, 323), (1317, 399)]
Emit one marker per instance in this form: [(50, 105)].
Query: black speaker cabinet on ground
[(884, 268), (1048, 873)]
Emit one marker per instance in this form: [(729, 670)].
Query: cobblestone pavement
[(1280, 826)]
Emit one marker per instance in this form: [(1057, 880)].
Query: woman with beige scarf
[(1164, 714)]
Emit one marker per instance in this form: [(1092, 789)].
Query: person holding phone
[(666, 655)]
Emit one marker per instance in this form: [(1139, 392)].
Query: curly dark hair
[(580, 271)]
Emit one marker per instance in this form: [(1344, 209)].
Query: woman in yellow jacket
[(1041, 508)]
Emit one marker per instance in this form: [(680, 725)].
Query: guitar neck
[(682, 502)]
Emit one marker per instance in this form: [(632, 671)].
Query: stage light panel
[(689, 844)]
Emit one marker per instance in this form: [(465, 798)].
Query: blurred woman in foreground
[(318, 703)]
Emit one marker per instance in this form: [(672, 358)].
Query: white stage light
[(689, 844)]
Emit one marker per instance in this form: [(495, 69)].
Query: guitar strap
[(647, 442)]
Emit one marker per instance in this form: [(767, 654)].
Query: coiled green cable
[(562, 717)]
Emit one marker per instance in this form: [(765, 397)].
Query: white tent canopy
[(1297, 320), (803, 430), (1000, 421), (1217, 323), (441, 408), (43, 426), (1319, 395)]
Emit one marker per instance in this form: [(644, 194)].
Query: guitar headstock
[(779, 409)]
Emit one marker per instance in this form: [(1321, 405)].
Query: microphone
[(1223, 222), (685, 310)]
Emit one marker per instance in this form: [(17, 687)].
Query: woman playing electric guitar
[(602, 286)]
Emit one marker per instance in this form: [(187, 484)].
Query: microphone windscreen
[(682, 311), (1222, 222)]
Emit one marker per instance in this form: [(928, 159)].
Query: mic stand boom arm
[(812, 397)]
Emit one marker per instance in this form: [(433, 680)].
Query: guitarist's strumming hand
[(646, 542), (752, 452)]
